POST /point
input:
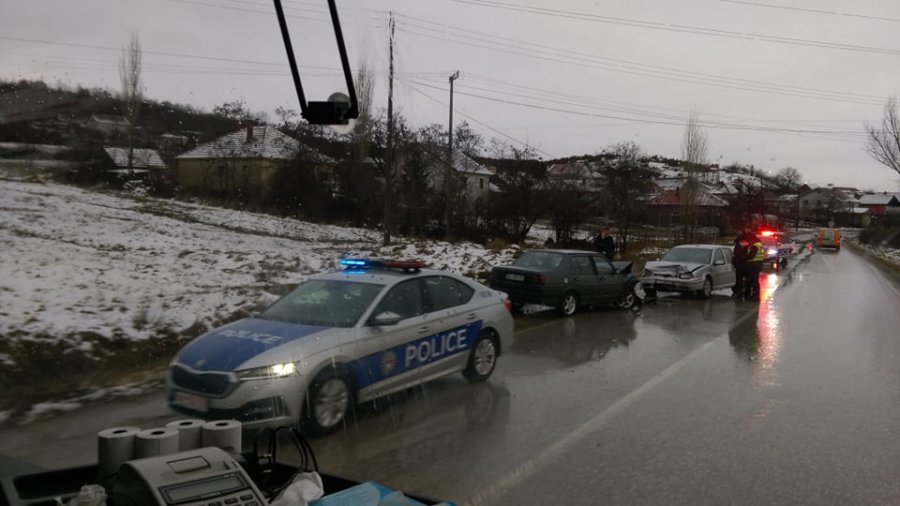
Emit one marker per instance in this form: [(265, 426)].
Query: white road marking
[(492, 494)]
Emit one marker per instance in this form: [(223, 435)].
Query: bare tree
[(521, 196), (132, 89), (789, 179), (362, 131), (569, 205), (883, 141), (626, 180), (693, 152), (238, 111)]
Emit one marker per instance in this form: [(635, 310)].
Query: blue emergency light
[(354, 262)]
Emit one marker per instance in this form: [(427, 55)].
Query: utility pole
[(389, 169), (453, 77)]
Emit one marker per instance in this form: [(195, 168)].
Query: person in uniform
[(739, 260), (756, 254)]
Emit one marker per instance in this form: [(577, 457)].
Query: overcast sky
[(776, 82)]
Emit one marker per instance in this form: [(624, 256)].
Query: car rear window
[(540, 260), (447, 292), (689, 255)]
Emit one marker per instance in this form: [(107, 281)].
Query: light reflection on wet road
[(794, 400)]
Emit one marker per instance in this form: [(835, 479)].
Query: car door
[(722, 270), (610, 282), (583, 279), (381, 363), (453, 311)]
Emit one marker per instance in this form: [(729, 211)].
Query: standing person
[(739, 260), (756, 254), (604, 244)]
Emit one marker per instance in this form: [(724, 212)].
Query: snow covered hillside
[(78, 263)]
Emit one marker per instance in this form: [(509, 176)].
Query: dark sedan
[(567, 280)]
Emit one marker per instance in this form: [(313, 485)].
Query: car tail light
[(508, 304)]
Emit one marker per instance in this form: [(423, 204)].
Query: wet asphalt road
[(793, 400)]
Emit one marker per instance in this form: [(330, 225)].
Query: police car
[(341, 338), (776, 250)]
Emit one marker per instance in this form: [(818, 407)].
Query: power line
[(242, 9), (504, 134), (639, 107), (670, 27), (157, 53), (565, 52), (66, 62), (814, 11), (578, 104), (714, 125), (678, 119), (582, 63), (268, 5)]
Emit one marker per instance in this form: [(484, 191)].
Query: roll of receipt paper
[(190, 432), (115, 446), (155, 442), (222, 433)]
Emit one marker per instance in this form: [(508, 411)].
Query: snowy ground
[(77, 262), (891, 255)]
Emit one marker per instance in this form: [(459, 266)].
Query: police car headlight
[(268, 372), (686, 275), (772, 251)]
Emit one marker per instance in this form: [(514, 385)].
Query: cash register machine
[(203, 477)]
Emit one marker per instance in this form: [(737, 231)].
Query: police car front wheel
[(482, 359), (329, 402)]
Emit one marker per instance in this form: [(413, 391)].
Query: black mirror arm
[(289, 48), (331, 114), (345, 61)]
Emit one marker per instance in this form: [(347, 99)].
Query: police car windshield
[(688, 255), (325, 302), (541, 260)]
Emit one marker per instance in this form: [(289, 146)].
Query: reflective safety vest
[(760, 253)]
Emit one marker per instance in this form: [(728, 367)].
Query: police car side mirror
[(385, 319)]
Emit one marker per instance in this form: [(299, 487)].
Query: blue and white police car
[(341, 338)]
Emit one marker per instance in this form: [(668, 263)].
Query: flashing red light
[(767, 233), (403, 264)]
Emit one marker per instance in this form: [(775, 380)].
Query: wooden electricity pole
[(389, 166)]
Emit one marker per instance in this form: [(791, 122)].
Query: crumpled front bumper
[(671, 284)]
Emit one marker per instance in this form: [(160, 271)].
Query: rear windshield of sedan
[(540, 260), (325, 302), (688, 255)]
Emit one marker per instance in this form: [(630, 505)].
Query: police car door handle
[(423, 329)]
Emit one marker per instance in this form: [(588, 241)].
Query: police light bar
[(385, 264), (767, 233), (404, 264)]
